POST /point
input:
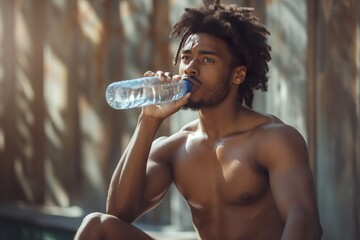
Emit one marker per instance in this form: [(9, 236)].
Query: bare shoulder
[(279, 143), (277, 130), (165, 145)]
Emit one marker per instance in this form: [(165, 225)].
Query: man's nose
[(192, 69)]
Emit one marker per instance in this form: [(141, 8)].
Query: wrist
[(149, 121)]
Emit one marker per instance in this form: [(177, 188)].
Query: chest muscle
[(222, 173)]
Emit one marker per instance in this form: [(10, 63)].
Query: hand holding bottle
[(158, 89), (166, 109)]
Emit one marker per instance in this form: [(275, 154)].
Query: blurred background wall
[(60, 142)]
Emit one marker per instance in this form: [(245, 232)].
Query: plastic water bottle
[(144, 91)]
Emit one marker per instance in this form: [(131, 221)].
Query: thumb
[(182, 101)]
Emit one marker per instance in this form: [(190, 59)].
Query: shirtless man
[(245, 175)]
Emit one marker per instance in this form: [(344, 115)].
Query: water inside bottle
[(128, 96)]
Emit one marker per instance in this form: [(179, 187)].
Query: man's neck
[(220, 121)]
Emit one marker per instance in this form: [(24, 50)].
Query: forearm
[(128, 181)]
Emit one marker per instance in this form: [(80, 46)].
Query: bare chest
[(221, 173)]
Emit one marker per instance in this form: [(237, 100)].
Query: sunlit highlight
[(125, 17), (89, 22), (57, 190), (92, 127), (22, 177), (55, 87)]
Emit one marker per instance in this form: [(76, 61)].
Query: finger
[(176, 77), (182, 101), (168, 76), (160, 75), (149, 74)]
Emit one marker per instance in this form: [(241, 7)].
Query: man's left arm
[(285, 155)]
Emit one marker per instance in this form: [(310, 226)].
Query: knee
[(91, 227), (96, 226), (93, 218)]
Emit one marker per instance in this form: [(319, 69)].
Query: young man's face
[(206, 60)]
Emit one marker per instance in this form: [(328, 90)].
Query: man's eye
[(208, 60), (185, 58)]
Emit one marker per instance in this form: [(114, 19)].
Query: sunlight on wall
[(27, 95), (25, 132), (130, 38), (61, 4), (124, 9), (92, 130), (56, 102), (24, 91), (135, 20), (131, 21), (23, 179), (54, 186), (90, 24), (22, 36), (24, 100), (91, 123), (55, 88), (286, 21)]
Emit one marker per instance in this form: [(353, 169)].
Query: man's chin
[(189, 108), (193, 106)]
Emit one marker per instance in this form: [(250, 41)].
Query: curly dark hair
[(245, 36)]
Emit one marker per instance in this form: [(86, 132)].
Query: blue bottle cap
[(188, 85)]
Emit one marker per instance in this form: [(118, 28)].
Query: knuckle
[(149, 73)]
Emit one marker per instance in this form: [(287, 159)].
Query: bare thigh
[(98, 226)]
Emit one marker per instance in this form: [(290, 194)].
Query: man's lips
[(194, 82)]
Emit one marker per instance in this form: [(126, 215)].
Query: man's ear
[(239, 74)]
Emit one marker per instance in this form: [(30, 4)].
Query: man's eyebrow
[(203, 52)]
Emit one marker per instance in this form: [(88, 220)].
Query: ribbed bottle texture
[(144, 91)]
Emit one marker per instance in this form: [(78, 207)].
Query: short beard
[(219, 94)]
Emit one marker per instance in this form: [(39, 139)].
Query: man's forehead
[(202, 40), (191, 41)]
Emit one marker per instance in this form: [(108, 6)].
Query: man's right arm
[(130, 179), (142, 176)]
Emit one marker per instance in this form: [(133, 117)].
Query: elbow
[(128, 214)]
